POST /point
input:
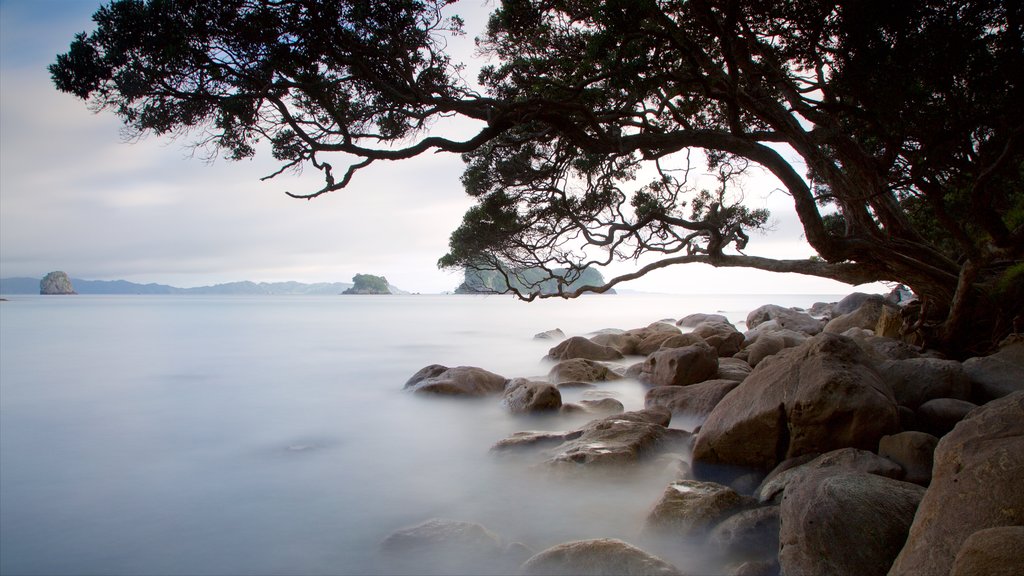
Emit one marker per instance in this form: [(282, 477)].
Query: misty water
[(271, 435)]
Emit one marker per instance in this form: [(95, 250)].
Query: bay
[(270, 435)]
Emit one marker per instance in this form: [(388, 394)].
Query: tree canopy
[(894, 128)]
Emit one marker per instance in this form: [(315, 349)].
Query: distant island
[(56, 283), (478, 281), (369, 284), (22, 285)]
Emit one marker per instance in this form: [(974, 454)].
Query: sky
[(76, 196)]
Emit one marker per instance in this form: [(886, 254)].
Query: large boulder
[(748, 535), (849, 523), (722, 336), (523, 396), (866, 316), (693, 319), (939, 416), (915, 381), (913, 451), (771, 342), (614, 443), (689, 508), (817, 397), (651, 341), (580, 370), (732, 369), (458, 381), (695, 400), (999, 374), (991, 552), (976, 484), (600, 557), (625, 343), (443, 546), (580, 347), (835, 462), (790, 318), (851, 302), (680, 366)]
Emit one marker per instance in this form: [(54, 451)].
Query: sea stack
[(56, 283)]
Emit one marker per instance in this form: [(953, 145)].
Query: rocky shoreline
[(816, 442)]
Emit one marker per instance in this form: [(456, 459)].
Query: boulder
[(748, 535), (555, 334), (600, 557), (817, 397), (694, 400), (442, 546), (790, 318), (976, 484), (603, 406), (625, 343), (580, 347), (733, 369), (722, 336), (527, 441), (822, 309), (835, 462), (999, 374), (580, 370), (694, 319), (848, 523), (991, 552), (524, 396), (851, 302), (866, 316), (615, 442), (458, 381), (689, 508), (681, 341), (939, 416), (680, 366), (882, 349), (913, 451), (915, 381), (652, 342)]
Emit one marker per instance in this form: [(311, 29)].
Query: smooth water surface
[(271, 435)]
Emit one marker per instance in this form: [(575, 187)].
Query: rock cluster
[(820, 445)]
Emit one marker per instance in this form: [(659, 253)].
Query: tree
[(895, 128)]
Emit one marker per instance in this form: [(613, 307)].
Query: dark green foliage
[(501, 281)]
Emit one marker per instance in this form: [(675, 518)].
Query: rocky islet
[(832, 427)]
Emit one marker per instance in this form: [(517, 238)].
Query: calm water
[(270, 435)]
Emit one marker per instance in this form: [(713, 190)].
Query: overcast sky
[(75, 196)]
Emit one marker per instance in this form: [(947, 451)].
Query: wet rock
[(600, 557), (694, 400), (991, 552), (733, 369), (614, 443), (458, 381), (524, 396), (834, 462), (848, 523), (603, 406), (443, 546), (939, 416), (999, 374), (976, 484), (526, 441), (580, 370), (722, 336), (680, 366), (817, 397), (913, 451), (580, 347), (555, 334), (689, 508), (915, 381)]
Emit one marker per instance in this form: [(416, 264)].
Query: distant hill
[(31, 286)]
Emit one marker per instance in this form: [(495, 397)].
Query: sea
[(271, 435)]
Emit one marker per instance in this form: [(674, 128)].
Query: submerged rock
[(600, 557), (524, 396), (443, 546), (580, 370), (689, 508), (614, 442), (580, 347), (458, 381)]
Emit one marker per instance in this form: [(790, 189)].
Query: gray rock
[(834, 462), (991, 552), (817, 397), (531, 441), (442, 546), (524, 396), (580, 347), (976, 484), (614, 443), (913, 451), (866, 316), (603, 406), (689, 508), (786, 318), (694, 400), (915, 381), (600, 557), (748, 535), (852, 302), (939, 416), (458, 381), (849, 523), (680, 366), (999, 374), (555, 334)]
